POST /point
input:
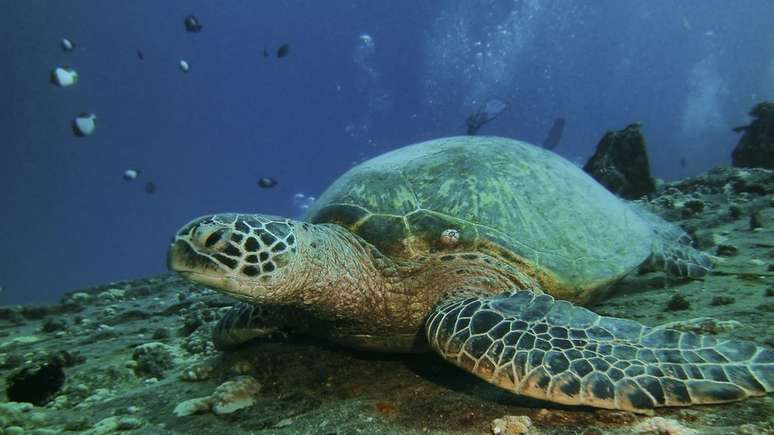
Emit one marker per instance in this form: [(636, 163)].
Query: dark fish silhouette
[(265, 52), (150, 188), (489, 111), (267, 182), (682, 162), (554, 134), (192, 24), (283, 50), (740, 129), (140, 55)]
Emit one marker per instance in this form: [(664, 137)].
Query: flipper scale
[(559, 352)]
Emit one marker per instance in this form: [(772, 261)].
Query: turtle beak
[(180, 256), (182, 259)]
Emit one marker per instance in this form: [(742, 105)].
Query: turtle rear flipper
[(673, 250), (536, 346), (679, 259)]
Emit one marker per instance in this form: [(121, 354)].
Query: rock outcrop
[(755, 149), (620, 163)]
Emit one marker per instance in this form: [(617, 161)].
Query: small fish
[(140, 55), (265, 52), (184, 67), (192, 24), (63, 76), (131, 174), (84, 124), (267, 182), (682, 162), (554, 135), (67, 45), (283, 50), (150, 188)]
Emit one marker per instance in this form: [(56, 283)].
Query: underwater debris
[(677, 302), (84, 124), (234, 395), (67, 45), (694, 206), (227, 398), (366, 39), (727, 250), (267, 182), (283, 50), (554, 134), (192, 24), (620, 163), (152, 359), (63, 77), (115, 424), (36, 385), (755, 220), (661, 425), (485, 113), (511, 425), (53, 325), (184, 67), (722, 300), (131, 174)]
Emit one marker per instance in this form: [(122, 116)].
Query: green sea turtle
[(476, 248)]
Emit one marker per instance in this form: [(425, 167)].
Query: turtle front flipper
[(245, 322), (536, 346)]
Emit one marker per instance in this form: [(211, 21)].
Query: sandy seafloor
[(116, 380)]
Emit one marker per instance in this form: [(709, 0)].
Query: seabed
[(133, 351)]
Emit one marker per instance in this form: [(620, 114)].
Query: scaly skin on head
[(321, 269), (364, 299)]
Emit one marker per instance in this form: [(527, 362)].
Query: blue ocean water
[(360, 78)]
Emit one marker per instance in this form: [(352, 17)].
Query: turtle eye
[(213, 238), (210, 237)]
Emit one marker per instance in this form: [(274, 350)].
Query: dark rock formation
[(37, 385), (620, 163), (756, 147)]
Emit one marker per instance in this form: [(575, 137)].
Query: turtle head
[(248, 256)]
